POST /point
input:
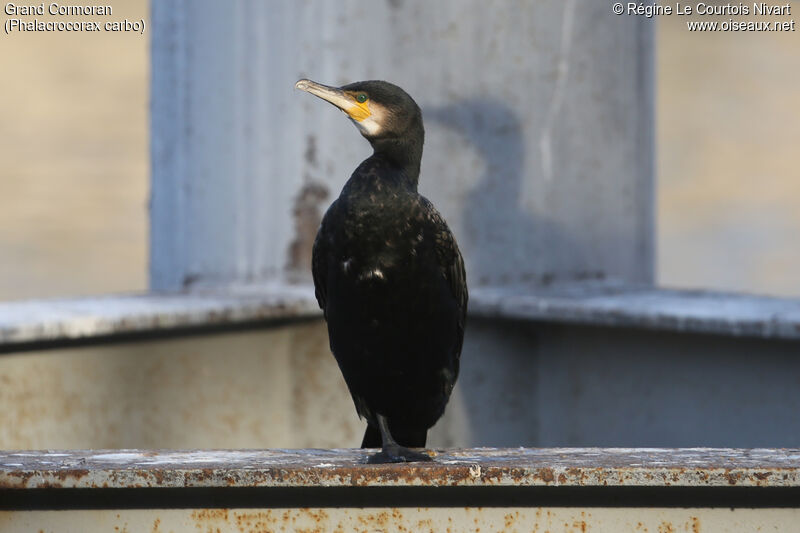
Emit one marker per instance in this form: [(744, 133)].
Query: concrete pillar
[(539, 152), (539, 119)]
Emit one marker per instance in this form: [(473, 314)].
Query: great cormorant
[(389, 277)]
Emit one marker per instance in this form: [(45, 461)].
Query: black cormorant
[(389, 277)]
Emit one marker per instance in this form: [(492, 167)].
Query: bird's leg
[(392, 452)]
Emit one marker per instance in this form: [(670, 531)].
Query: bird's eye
[(361, 98)]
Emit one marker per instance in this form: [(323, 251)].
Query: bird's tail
[(372, 437), (405, 436)]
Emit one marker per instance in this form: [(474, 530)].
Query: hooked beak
[(336, 96)]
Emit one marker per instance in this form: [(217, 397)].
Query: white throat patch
[(372, 124), (368, 126)]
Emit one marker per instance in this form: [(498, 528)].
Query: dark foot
[(397, 454)]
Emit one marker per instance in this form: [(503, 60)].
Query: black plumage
[(389, 277)]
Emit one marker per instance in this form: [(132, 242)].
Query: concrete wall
[(539, 146), (270, 388), (521, 384), (560, 385)]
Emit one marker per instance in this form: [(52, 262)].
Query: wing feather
[(451, 262), (319, 262)]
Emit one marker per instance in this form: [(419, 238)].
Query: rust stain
[(406, 474), (210, 519), (695, 525), (158, 475), (23, 477), (255, 521), (577, 474), (581, 525), (207, 474), (374, 519), (666, 527), (762, 476), (319, 516), (547, 475), (307, 213)]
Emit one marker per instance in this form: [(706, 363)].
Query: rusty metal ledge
[(480, 467), (84, 320)]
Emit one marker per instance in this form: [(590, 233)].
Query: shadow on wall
[(496, 225), (505, 244), (497, 398)]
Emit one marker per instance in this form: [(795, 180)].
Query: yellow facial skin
[(359, 110)]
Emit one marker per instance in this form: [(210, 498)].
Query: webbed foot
[(397, 454)]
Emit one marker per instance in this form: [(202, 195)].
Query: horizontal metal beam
[(426, 518), (84, 320), (345, 468), (555, 489)]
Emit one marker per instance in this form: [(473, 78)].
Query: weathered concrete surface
[(522, 383), (618, 305), (557, 384), (578, 467), (78, 319), (600, 304), (270, 388)]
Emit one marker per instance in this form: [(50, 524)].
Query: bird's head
[(379, 109)]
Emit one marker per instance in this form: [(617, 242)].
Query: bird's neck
[(404, 153)]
